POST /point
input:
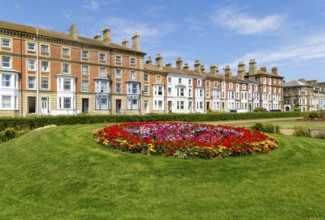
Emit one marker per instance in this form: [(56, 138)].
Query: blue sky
[(288, 34)]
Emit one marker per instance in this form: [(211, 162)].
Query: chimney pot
[(264, 69), (227, 70), (97, 37), (213, 68)]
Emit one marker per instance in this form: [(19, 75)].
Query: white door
[(45, 106)]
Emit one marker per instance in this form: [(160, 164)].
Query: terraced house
[(47, 72), (44, 72)]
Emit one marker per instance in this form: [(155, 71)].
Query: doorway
[(169, 106), (85, 105), (118, 106), (45, 106), (31, 105)]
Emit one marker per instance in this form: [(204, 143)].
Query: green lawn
[(61, 173), (282, 123)]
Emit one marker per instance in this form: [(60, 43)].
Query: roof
[(60, 35), (294, 83), (152, 67)]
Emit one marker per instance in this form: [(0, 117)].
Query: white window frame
[(42, 84), (118, 59), (6, 83), (31, 46), (83, 87), (118, 89), (66, 52), (84, 70), (3, 44), (3, 102), (31, 65), (118, 73), (33, 83), (102, 71), (102, 57), (42, 66), (46, 51), (133, 61), (85, 54), (133, 75), (9, 63), (64, 69)]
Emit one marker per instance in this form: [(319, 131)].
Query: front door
[(118, 106), (85, 105), (169, 106), (146, 106), (31, 104), (208, 106), (45, 106)]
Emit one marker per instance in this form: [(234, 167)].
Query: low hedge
[(35, 122)]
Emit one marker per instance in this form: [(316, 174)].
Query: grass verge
[(61, 173)]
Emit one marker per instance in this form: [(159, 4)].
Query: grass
[(61, 173), (287, 124)]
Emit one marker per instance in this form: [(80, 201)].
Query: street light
[(37, 74)]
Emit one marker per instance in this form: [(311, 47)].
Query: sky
[(288, 34)]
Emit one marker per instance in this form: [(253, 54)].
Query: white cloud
[(91, 5), (306, 50), (243, 23)]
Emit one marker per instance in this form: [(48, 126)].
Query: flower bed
[(184, 139)]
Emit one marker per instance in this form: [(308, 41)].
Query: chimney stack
[(97, 37), (202, 68), (125, 43), (252, 67), (275, 71), (186, 66), (74, 31), (227, 70), (213, 68), (263, 69), (149, 61), (107, 35), (179, 63), (197, 66), (241, 70), (168, 65), (136, 41), (159, 61)]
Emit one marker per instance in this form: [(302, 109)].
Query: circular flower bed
[(184, 139)]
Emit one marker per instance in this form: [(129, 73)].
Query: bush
[(313, 115), (268, 128), (8, 134), (297, 109), (260, 110), (36, 122), (301, 132)]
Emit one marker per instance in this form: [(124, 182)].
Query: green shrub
[(297, 109), (313, 115), (301, 132), (36, 122), (260, 110), (8, 134), (266, 127)]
